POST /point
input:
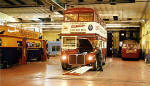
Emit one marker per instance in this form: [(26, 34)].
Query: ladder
[(78, 71)]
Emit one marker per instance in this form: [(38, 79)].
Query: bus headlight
[(90, 58), (64, 57)]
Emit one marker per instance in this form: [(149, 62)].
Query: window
[(58, 48), (53, 48), (103, 45), (38, 45), (69, 42), (96, 18), (19, 43), (100, 44), (87, 17), (71, 17)]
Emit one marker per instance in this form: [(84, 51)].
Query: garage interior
[(124, 19)]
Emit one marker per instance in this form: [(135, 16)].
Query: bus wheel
[(64, 66), (94, 66)]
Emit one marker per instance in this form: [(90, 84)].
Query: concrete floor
[(116, 73)]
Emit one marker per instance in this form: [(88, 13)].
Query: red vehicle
[(130, 49), (82, 30)]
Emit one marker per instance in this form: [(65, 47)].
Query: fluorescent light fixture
[(36, 19), (108, 14), (58, 15)]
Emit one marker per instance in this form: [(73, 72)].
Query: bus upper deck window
[(87, 17), (71, 17)]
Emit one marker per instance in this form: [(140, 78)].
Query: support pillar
[(44, 56), (23, 60)]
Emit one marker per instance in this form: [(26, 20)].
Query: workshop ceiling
[(118, 11), (33, 10)]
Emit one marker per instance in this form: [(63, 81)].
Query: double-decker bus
[(130, 49), (82, 31)]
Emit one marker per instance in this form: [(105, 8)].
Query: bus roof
[(79, 10)]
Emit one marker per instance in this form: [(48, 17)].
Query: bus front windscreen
[(69, 42)]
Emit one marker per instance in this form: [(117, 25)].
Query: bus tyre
[(94, 66), (64, 66)]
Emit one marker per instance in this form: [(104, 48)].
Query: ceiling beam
[(21, 2), (105, 2), (54, 3), (144, 10), (20, 6), (9, 2), (38, 2)]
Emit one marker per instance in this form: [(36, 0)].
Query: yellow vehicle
[(17, 46)]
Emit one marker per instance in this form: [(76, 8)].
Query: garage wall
[(51, 35), (145, 32)]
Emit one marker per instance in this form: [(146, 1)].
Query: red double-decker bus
[(82, 30)]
